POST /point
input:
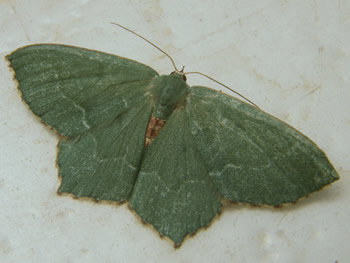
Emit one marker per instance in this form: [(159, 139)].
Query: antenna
[(181, 71), (227, 87), (161, 50)]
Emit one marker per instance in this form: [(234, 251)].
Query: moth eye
[(183, 75)]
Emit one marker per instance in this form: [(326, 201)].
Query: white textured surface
[(292, 58)]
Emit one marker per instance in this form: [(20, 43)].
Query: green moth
[(176, 153)]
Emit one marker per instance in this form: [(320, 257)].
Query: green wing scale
[(207, 148), (251, 156), (103, 163)]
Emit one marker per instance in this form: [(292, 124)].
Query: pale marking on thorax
[(155, 125)]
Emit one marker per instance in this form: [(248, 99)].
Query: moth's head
[(180, 73)]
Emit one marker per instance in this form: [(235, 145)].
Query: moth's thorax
[(169, 92)]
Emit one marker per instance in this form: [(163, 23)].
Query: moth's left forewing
[(74, 89), (251, 156)]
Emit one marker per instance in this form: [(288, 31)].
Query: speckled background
[(292, 58)]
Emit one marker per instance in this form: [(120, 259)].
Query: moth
[(176, 153)]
